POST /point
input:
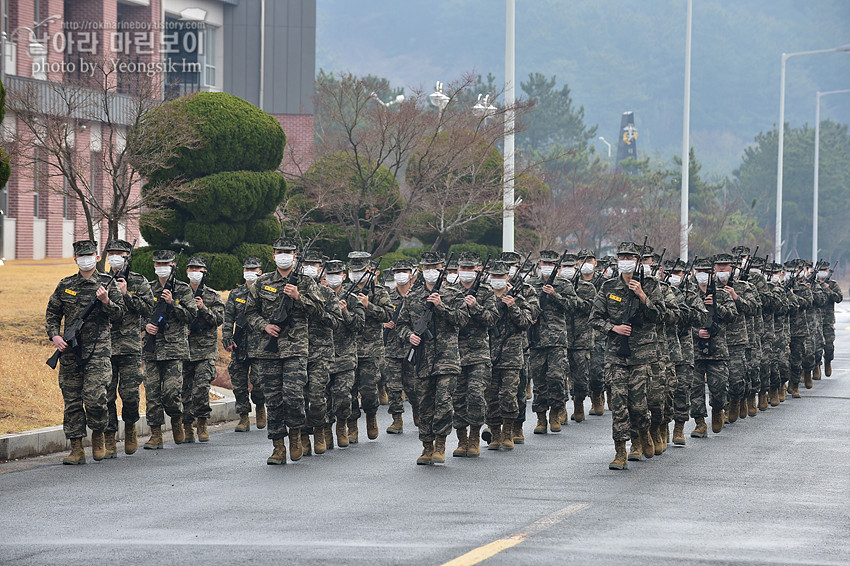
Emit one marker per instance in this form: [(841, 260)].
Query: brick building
[(260, 50)]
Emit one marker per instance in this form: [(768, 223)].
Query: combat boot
[(203, 433), (507, 435), (77, 455), (665, 436), (131, 439), (554, 419), (371, 426), (657, 442), (427, 451), (619, 462), (541, 423), (111, 446), (716, 420), (578, 409), (462, 443), (329, 436), (244, 423), (516, 433), (732, 411), (783, 393), (306, 447), (319, 446), (679, 433), (636, 451), (763, 400), (353, 433), (341, 436), (701, 430), (744, 408), (827, 368), (795, 392), (278, 456), (383, 397), (752, 406), (528, 392), (155, 441), (295, 448), (98, 447), (398, 425), (415, 411), (597, 403), (774, 397), (261, 416), (807, 378), (495, 437), (473, 448), (188, 433), (647, 444), (439, 455), (177, 431), (816, 373)]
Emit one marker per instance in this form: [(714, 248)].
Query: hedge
[(234, 195), (219, 237)]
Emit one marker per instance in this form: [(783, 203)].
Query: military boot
[(261, 416), (495, 437), (679, 433), (353, 433), (427, 452), (597, 404), (636, 451), (647, 444), (278, 456), (177, 431), (383, 397), (541, 423), (439, 455), (528, 391), (77, 455), (98, 446), (295, 448), (795, 392), (619, 462), (131, 439), (462, 443), (203, 433), (341, 436), (716, 420), (783, 393), (473, 448), (665, 436), (657, 442), (507, 435), (554, 419), (773, 398), (578, 409), (732, 411), (516, 433), (743, 408), (244, 423), (398, 425), (752, 406), (111, 446), (816, 373), (371, 426), (319, 445), (701, 430), (329, 436), (155, 441), (827, 368), (188, 433), (306, 447), (415, 411), (763, 400), (807, 378)]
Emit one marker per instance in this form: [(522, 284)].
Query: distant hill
[(616, 55)]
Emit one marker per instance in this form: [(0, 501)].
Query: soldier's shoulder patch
[(238, 300), (269, 289), (614, 297), (71, 292)]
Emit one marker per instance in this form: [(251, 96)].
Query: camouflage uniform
[(692, 315), (738, 341), (785, 304), (397, 372), (581, 340), (243, 368), (596, 371), (84, 381), (819, 300), (663, 373), (800, 357), (321, 330), (352, 321), (765, 352), (834, 295)]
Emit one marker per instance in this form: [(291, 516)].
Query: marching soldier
[(596, 381), (84, 372), (802, 300), (834, 295), (581, 334), (398, 373)]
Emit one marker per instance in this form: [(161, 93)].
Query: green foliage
[(262, 231), (481, 249), (262, 251), (5, 168), (478, 155), (234, 195), (553, 122), (161, 227), (217, 237)]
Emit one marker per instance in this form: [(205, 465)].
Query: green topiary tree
[(5, 168)]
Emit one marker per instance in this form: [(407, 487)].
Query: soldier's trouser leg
[(126, 379), (434, 393), (341, 383), (737, 373), (399, 379), (239, 380), (317, 385), (682, 392), (717, 376), (501, 396), (468, 396), (579, 372), (366, 386), (796, 360), (163, 387), (784, 360), (752, 381), (522, 387), (196, 390), (775, 380), (629, 407), (596, 372), (828, 341), (84, 395), (698, 380), (655, 391), (257, 395), (283, 385), (547, 367), (808, 352), (669, 391)]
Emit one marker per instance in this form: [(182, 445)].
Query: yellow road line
[(482, 553)]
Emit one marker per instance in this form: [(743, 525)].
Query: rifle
[(197, 324), (471, 292), (422, 325), (632, 315), (705, 344), (239, 336), (368, 275), (657, 266), (282, 316), (396, 312), (124, 272), (158, 316), (686, 281), (534, 329), (513, 287), (745, 273), (670, 271), (577, 274)]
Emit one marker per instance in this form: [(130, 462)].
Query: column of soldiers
[(312, 341)]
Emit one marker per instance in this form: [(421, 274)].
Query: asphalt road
[(768, 490)]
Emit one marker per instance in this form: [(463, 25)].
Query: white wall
[(67, 238), (9, 238), (39, 238)]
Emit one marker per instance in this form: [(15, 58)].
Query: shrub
[(262, 231), (234, 195), (161, 227), (219, 237)]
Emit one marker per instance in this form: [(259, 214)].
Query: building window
[(68, 202), (40, 13), (39, 185), (181, 44), (209, 55)]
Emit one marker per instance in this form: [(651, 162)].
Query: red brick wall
[(298, 155)]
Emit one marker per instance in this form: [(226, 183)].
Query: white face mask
[(391, 285), (250, 275), (626, 265), (498, 284), (116, 261), (356, 276), (512, 271), (822, 275), (86, 262), (195, 276), (675, 280), (401, 278), (334, 279), (451, 278), (284, 260), (546, 270), (737, 271), (646, 269), (587, 269), (609, 272), (431, 275), (723, 276), (466, 276), (702, 277), (755, 270), (162, 271), (310, 271), (786, 276), (775, 278), (568, 272)]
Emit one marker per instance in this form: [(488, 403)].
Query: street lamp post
[(817, 167), (781, 140), (686, 140), (438, 99), (510, 76), (603, 140)]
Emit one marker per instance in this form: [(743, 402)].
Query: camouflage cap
[(549, 256), (791, 264), (469, 259), (648, 251), (628, 248), (570, 260), (118, 246), (453, 265), (359, 255), (286, 244), (431, 258), (655, 258), (775, 267), (314, 256), (824, 264), (510, 257), (500, 268), (251, 262), (85, 247), (741, 250), (704, 264), (807, 263), (334, 266), (196, 261), (585, 253), (375, 265), (678, 265), (723, 258), (162, 256), (401, 265), (359, 263), (758, 262)]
